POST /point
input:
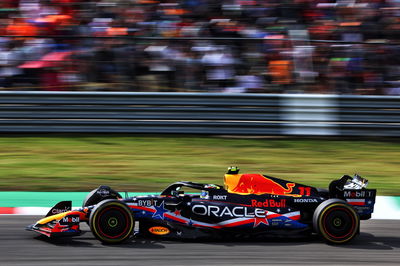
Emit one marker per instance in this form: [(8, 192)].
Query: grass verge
[(138, 163)]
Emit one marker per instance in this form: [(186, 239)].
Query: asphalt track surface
[(378, 244)]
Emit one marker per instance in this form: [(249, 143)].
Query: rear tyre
[(336, 221), (111, 222)]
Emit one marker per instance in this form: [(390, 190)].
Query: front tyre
[(111, 221), (336, 221)]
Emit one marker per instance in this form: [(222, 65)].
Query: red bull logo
[(269, 203), (259, 184)]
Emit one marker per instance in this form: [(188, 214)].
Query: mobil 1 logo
[(70, 219)]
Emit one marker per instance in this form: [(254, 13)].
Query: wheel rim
[(339, 223), (113, 222)]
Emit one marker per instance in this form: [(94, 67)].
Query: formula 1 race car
[(250, 206)]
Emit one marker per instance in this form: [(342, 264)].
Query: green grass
[(81, 163)]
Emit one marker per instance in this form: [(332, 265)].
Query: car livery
[(248, 205)]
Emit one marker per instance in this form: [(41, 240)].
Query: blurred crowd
[(267, 46)]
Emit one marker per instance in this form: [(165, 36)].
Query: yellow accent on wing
[(53, 217)]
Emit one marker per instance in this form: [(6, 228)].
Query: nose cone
[(30, 227)]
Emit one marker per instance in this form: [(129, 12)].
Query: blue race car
[(248, 206)]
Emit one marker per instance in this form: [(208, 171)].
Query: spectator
[(219, 68), (353, 57), (10, 58)]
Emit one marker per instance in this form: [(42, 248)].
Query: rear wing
[(363, 201)]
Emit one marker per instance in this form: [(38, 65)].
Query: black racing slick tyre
[(336, 221), (111, 222)]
